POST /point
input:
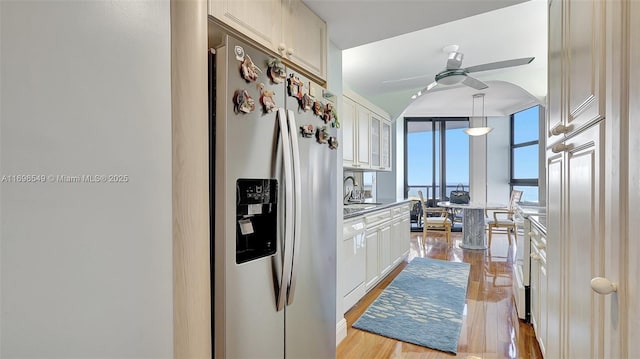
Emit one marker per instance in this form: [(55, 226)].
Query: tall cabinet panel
[(555, 118), (575, 180), (555, 210), (585, 61), (585, 243)]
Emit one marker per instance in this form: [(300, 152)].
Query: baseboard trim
[(341, 331)]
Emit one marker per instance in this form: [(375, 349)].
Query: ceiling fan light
[(478, 131), (451, 77)]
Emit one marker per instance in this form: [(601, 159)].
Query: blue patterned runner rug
[(423, 305)]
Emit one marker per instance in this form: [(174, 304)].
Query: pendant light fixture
[(478, 131)]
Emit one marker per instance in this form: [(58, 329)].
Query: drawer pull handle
[(560, 129), (603, 286), (560, 147)]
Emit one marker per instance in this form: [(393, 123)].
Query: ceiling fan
[(455, 74)]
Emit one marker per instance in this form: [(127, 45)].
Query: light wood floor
[(490, 329)]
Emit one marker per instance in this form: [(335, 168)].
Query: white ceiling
[(389, 53)]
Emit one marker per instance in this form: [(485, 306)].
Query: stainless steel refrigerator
[(274, 198)]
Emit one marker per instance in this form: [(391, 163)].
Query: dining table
[(473, 222)]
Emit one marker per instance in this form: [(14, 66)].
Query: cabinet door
[(354, 262), (555, 117), (363, 147), (304, 38), (385, 249), (347, 125), (535, 293), (373, 273), (542, 308), (259, 20), (555, 234), (585, 43), (374, 124), (584, 243), (385, 146)]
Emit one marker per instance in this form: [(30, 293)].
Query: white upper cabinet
[(385, 146), (366, 134), (576, 66), (288, 28), (258, 20), (347, 125), (585, 60), (363, 116), (305, 38)]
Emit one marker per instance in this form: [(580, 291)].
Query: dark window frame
[(513, 146)]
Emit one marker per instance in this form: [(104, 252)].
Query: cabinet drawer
[(377, 218), (538, 251), (399, 211), (352, 228)]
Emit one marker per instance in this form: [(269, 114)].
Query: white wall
[(86, 268), (478, 162), (498, 160)]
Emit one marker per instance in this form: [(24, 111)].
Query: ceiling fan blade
[(455, 60), (500, 64), (405, 79), (474, 83), (430, 86)]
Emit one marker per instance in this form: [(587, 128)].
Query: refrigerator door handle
[(288, 209), (297, 188)]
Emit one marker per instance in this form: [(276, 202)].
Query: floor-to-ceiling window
[(525, 133), (436, 156)]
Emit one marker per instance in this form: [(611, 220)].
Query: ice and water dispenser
[(256, 218)]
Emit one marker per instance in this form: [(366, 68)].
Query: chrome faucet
[(349, 194)]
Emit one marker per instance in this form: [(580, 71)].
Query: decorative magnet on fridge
[(307, 131), (322, 135), (335, 123), (266, 99), (276, 71), (317, 108), (249, 70), (239, 52), (327, 115), (295, 86), (333, 143), (306, 102), (243, 102)]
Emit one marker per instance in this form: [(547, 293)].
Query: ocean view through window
[(436, 157), (525, 158)]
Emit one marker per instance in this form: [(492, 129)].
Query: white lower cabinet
[(539, 284), (353, 248), (373, 245), (373, 274)]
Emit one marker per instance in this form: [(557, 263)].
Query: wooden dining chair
[(504, 219), (435, 218)]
